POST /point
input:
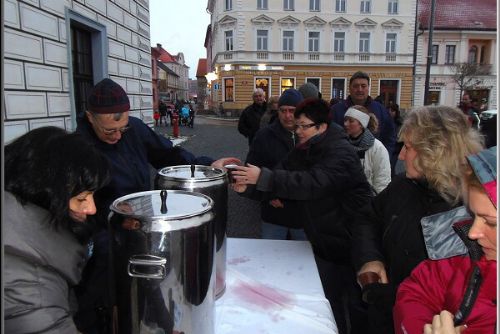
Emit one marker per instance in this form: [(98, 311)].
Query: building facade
[(55, 51), (464, 33), (277, 45)]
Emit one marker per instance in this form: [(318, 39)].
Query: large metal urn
[(212, 182), (164, 262)]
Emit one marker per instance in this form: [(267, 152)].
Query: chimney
[(158, 45)]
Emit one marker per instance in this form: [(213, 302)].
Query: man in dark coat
[(359, 88), (271, 145), (132, 149), (249, 121)]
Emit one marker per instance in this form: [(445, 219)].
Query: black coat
[(327, 181), (388, 229), (249, 121), (270, 146)]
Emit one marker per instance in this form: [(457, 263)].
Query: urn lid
[(196, 173)]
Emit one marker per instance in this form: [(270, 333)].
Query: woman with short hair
[(50, 179)]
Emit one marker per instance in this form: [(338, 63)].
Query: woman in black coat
[(324, 176), (387, 235)]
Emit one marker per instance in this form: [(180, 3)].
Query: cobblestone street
[(220, 138)]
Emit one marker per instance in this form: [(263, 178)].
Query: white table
[(272, 286)]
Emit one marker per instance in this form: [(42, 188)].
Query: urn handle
[(193, 168), (147, 266), (163, 195)]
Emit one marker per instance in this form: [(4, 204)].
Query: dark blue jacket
[(131, 159), (271, 145), (386, 133)]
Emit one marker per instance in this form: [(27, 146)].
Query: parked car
[(487, 114)]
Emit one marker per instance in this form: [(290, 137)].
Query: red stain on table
[(238, 260), (262, 296)]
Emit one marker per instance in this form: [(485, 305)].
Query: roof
[(165, 56), (459, 14), (201, 70), (166, 69)]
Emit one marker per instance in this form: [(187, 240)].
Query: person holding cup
[(324, 177), (271, 145)]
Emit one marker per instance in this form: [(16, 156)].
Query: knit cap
[(108, 97), (290, 97), (309, 90), (362, 117)]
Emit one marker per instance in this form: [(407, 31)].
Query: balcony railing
[(284, 57)]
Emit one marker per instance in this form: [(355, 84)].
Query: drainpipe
[(419, 28), (429, 54)]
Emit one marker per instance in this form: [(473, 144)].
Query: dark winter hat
[(290, 97), (108, 97), (309, 90)]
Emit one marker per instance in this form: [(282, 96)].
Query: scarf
[(363, 142)]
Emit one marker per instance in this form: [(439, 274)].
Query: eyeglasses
[(304, 126), (109, 132)]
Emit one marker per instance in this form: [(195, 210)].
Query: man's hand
[(276, 203), (443, 324)]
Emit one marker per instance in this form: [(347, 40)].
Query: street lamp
[(211, 76)]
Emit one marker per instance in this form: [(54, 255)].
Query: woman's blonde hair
[(442, 138), (373, 122)]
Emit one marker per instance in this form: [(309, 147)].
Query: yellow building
[(283, 44)]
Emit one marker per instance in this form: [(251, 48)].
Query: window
[(339, 42), (264, 84), (288, 40), (392, 7), (228, 40), (364, 42), (81, 57), (313, 41), (261, 4), (262, 40), (340, 6), (435, 53), (472, 55), (314, 5), (228, 89), (390, 43), (338, 89), (365, 6), (450, 54), (228, 4), (389, 91), (288, 5), (316, 82), (287, 83)]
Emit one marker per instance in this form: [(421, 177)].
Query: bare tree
[(465, 75)]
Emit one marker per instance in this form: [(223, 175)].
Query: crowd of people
[(401, 212)]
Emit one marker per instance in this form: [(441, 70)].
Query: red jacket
[(440, 285)]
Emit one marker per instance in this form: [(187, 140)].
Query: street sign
[(216, 86)]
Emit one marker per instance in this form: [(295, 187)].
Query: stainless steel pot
[(165, 269), (213, 183)]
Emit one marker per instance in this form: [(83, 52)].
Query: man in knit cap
[(132, 149), (271, 145), (309, 90)]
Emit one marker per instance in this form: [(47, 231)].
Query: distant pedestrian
[(156, 116), (163, 112), (271, 112), (249, 122)]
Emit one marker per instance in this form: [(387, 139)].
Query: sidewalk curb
[(218, 118)]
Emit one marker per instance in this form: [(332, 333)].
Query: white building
[(55, 50), (464, 31), (281, 44)]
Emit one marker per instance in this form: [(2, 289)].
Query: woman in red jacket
[(464, 285)]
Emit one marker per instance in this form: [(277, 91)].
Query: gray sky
[(180, 26)]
